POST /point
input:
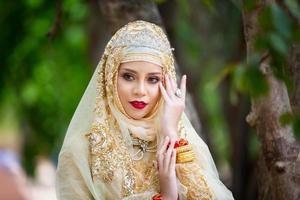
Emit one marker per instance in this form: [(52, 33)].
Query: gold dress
[(99, 158)]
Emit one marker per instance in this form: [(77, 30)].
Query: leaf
[(265, 20), (278, 44), (250, 80), (291, 119), (281, 22)]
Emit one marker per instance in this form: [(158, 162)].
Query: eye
[(128, 76), (154, 79)]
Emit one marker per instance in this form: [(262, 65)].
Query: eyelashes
[(154, 79), (128, 76), (131, 77)]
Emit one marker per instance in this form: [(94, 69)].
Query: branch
[(58, 13)]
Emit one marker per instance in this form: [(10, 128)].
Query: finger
[(161, 154), (183, 86), (173, 160), (173, 83), (168, 155), (160, 145), (164, 145), (169, 87), (160, 161), (164, 92)]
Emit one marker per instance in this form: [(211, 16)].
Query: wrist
[(172, 133)]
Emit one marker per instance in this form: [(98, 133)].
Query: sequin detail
[(108, 151), (190, 176)]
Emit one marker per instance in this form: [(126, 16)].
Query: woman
[(124, 139)]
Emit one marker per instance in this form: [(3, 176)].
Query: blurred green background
[(48, 55), (42, 78)]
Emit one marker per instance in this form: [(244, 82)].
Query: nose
[(140, 89)]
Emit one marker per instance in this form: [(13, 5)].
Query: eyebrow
[(132, 71)]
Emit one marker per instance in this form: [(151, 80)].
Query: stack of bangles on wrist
[(184, 154), (184, 151)]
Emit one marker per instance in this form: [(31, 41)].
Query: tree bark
[(294, 69), (119, 12), (279, 163)]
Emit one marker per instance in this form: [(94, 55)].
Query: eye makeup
[(130, 77), (153, 79), (127, 76)]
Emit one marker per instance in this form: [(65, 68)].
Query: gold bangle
[(183, 148), (186, 153), (185, 159)]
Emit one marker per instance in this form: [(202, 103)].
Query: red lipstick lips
[(138, 104)]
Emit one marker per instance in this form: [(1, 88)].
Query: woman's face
[(138, 87)]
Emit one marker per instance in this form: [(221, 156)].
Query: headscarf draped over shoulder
[(95, 161)]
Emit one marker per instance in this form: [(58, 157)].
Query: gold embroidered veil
[(96, 159)]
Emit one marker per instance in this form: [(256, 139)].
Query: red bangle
[(180, 143), (157, 197)]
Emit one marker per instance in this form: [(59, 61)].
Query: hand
[(174, 106), (166, 160)]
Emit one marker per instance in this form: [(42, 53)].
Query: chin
[(137, 116)]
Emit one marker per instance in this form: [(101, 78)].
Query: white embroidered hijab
[(95, 161)]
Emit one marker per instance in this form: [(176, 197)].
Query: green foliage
[(294, 7), (185, 7), (277, 33), (211, 97), (206, 40), (192, 44), (47, 77), (285, 119), (210, 4), (250, 5), (245, 79), (293, 120), (160, 1), (296, 126), (251, 81)]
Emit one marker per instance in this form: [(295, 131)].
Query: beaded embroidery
[(108, 152)]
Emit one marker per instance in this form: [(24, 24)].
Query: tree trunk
[(294, 69), (119, 12), (279, 163)]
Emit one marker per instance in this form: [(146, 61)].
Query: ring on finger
[(178, 93)]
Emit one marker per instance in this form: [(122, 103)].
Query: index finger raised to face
[(183, 85)]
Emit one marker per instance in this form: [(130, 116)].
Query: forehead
[(141, 67)]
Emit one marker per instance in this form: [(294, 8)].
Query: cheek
[(123, 89), (154, 92)]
